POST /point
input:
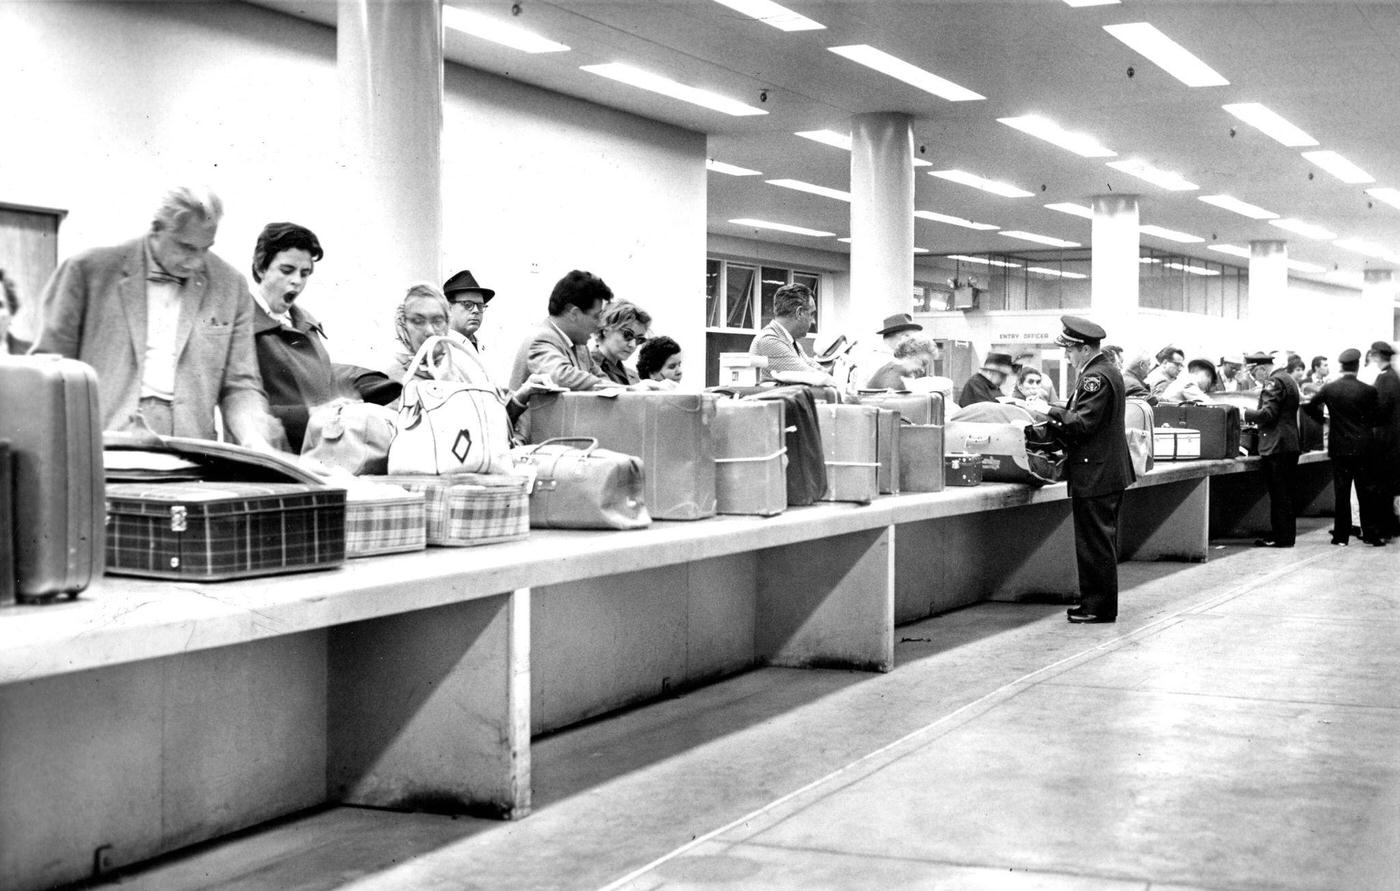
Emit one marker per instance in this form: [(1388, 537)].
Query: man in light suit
[(559, 348), (167, 325)]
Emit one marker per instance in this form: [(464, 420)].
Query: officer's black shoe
[(1339, 541), (1375, 542), (1082, 618)]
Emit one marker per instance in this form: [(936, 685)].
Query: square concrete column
[(1377, 320), (389, 230), (1269, 314), (882, 218), (1114, 267)]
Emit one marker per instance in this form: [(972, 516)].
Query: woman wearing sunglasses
[(624, 329)]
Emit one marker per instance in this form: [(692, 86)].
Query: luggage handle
[(592, 443)]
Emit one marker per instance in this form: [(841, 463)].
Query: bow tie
[(160, 276)]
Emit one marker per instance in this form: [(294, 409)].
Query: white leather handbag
[(446, 425)]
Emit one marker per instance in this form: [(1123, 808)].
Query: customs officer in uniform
[(1099, 467), (1279, 445)]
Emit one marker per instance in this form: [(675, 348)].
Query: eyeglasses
[(631, 336), (469, 306)]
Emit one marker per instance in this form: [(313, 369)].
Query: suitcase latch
[(178, 520)]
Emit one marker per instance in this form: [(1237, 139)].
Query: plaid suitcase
[(750, 457), (383, 519), (848, 444), (467, 509), (216, 531)]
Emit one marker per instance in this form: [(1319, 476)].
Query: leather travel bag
[(573, 487)]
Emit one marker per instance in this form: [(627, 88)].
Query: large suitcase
[(217, 531), (916, 408), (673, 434), (1006, 457), (806, 463), (819, 394), (48, 412), (887, 450), (1176, 444), (582, 488), (848, 442), (1218, 424), (750, 476), (921, 454)]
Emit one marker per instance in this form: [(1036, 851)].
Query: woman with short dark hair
[(660, 360)]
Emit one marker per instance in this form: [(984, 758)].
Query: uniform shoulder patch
[(1091, 383)]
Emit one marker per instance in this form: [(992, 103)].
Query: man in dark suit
[(985, 385), (1351, 407), (1386, 457), (1279, 445), (1099, 466)]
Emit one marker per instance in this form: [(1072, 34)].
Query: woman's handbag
[(444, 425), (353, 436)]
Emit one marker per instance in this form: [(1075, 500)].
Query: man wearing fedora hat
[(897, 329), (1098, 466), (467, 301), (1279, 444), (985, 385)]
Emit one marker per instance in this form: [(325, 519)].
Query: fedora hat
[(899, 322), (997, 362), (465, 281)]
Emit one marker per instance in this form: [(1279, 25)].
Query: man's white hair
[(182, 202)]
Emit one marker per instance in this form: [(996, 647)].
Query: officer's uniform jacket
[(1093, 431), (1277, 414)]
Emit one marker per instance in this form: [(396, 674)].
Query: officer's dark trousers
[(1096, 550), (1348, 469), (1280, 475)]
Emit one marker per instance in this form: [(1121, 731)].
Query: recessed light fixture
[(1300, 266), (1388, 195), (770, 13), (1339, 167), (810, 188), (497, 31), (782, 227), (1270, 124), (1057, 273), (1074, 210), (984, 261), (1079, 3), (645, 80), (996, 187), (899, 69), (1148, 260), (1081, 144), (1233, 250), (1038, 239), (1308, 230), (953, 221), (1168, 55), (1193, 270), (1240, 207), (1361, 246), (841, 141), (1170, 234), (1173, 182), (731, 169)]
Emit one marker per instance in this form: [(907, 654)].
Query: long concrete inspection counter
[(147, 716)]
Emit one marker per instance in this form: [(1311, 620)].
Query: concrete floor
[(1239, 728)]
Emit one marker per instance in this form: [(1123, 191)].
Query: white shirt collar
[(285, 319)]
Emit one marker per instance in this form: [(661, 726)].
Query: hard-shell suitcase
[(1219, 426), (673, 434), (468, 509), (573, 487), (49, 413), (887, 450), (1138, 426), (806, 463), (383, 519), (1006, 457), (1176, 444), (217, 531), (848, 442), (921, 451), (750, 457), (916, 408)]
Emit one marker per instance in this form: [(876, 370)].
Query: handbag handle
[(592, 443), (424, 358)]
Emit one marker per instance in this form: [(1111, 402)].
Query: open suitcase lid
[(146, 457)]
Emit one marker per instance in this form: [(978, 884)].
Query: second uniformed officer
[(1352, 407), (1277, 417), (1098, 466)]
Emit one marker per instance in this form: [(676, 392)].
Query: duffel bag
[(581, 488)]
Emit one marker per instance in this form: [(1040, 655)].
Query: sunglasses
[(631, 336)]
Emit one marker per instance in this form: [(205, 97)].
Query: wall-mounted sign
[(1019, 337)]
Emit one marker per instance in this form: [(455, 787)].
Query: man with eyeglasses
[(467, 301), (794, 310)]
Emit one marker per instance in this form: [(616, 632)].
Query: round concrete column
[(389, 62), (1114, 267), (1377, 320), (1270, 318), (882, 219)]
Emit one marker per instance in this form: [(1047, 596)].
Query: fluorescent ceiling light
[(953, 221), (1079, 3), (1146, 260), (1173, 182), (1168, 55), (1058, 273), (1039, 239), (1074, 210), (917, 250), (1193, 270), (1339, 167), (899, 69), (1233, 250), (1388, 195), (1240, 207), (1081, 144), (731, 169), (497, 31), (782, 227), (841, 141), (800, 186), (1361, 246), (1270, 124), (984, 261), (1170, 234), (1300, 266), (665, 86), (770, 13), (1305, 229), (977, 182)]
